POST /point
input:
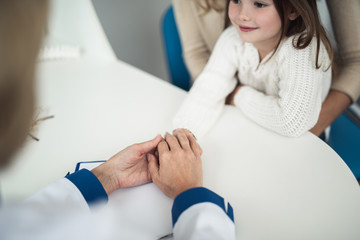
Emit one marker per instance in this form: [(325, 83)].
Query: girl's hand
[(231, 96)]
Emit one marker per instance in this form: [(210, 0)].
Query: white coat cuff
[(198, 195)]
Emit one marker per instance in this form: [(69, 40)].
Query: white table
[(280, 188)]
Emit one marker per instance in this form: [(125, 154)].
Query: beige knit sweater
[(283, 93)]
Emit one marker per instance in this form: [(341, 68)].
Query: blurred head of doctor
[(22, 25)]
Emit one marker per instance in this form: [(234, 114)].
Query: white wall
[(133, 29)]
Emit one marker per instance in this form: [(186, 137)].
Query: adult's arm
[(193, 26), (346, 24), (197, 212), (63, 207), (127, 168), (346, 84), (58, 211)]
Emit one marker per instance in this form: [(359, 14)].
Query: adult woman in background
[(200, 23)]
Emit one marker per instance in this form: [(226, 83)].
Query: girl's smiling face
[(257, 22)]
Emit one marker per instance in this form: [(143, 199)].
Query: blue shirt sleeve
[(198, 195), (89, 186)]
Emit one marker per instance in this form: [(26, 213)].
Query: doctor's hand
[(178, 167), (127, 168)]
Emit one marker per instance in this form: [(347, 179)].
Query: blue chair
[(179, 74), (345, 140)]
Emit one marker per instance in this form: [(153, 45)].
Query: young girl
[(282, 56)]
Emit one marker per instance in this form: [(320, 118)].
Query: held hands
[(178, 167), (175, 168)]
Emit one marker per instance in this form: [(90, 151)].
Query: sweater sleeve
[(302, 88), (206, 98)]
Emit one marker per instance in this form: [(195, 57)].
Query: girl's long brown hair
[(307, 25)]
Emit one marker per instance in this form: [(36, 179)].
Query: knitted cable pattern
[(283, 93)]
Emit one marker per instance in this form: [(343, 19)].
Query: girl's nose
[(243, 14)]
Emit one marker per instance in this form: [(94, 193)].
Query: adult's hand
[(127, 168), (187, 133), (178, 167), (335, 103)]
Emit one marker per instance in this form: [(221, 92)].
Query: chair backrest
[(75, 25), (345, 138), (178, 72)]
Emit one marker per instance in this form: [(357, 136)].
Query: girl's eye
[(236, 1), (259, 5)]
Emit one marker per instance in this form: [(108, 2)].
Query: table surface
[(280, 188)]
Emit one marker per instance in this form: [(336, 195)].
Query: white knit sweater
[(283, 94)]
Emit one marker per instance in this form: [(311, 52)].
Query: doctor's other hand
[(178, 167), (128, 168), (188, 132)]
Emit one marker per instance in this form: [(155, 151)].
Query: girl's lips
[(246, 29)]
